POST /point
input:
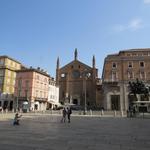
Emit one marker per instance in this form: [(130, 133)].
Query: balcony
[(111, 81)]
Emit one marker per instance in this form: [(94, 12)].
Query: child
[(16, 119)]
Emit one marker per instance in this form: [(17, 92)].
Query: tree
[(138, 87)]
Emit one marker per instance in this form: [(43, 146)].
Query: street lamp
[(86, 75), (18, 93), (0, 98)]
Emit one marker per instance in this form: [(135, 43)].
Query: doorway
[(115, 102), (5, 105), (11, 105), (75, 101)]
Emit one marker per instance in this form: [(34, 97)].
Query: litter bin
[(24, 110), (25, 107)]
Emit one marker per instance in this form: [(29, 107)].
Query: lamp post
[(85, 108), (17, 104), (18, 93), (0, 98), (86, 75)]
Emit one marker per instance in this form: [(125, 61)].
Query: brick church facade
[(78, 83)]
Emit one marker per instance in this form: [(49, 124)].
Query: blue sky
[(36, 32)]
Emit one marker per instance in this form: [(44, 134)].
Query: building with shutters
[(8, 68), (118, 70)]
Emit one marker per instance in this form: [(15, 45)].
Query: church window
[(72, 66), (63, 75)]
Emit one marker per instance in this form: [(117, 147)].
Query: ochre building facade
[(118, 70), (8, 68)]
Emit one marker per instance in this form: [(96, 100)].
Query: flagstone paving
[(83, 133)]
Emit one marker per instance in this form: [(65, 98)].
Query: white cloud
[(133, 25), (147, 1)]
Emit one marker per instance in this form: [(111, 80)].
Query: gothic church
[(78, 83)]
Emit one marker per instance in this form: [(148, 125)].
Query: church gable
[(77, 65)]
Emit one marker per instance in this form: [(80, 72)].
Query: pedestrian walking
[(69, 112), (64, 115)]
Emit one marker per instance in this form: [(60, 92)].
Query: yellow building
[(8, 67)]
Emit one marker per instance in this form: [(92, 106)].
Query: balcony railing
[(111, 81)]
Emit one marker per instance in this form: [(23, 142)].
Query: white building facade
[(53, 95)]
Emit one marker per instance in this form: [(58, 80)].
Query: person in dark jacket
[(69, 112), (64, 112)]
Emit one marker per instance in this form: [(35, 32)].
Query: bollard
[(79, 112), (91, 112), (114, 113), (102, 112), (51, 111), (121, 113)]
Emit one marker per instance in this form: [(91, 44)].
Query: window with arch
[(114, 65), (142, 64), (63, 75)]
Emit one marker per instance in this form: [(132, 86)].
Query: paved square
[(83, 133)]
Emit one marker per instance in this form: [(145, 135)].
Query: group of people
[(66, 112)]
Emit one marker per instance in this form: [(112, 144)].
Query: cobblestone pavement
[(83, 133)]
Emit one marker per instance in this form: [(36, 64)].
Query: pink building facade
[(31, 89)]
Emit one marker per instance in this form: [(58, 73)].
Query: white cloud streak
[(133, 25), (146, 1)]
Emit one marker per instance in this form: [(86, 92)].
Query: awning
[(55, 103), (25, 103), (37, 103)]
